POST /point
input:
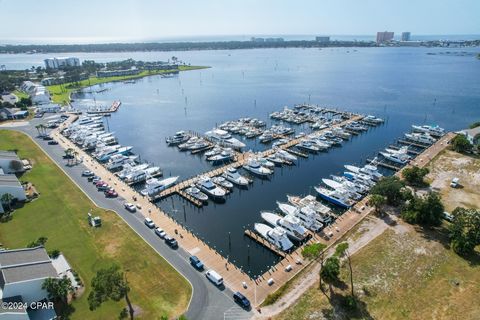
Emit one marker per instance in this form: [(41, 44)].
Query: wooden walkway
[(415, 144), (383, 164), (254, 236)]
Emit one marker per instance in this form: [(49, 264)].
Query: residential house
[(7, 162), (9, 183)]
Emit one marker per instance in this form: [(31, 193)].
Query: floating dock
[(113, 108), (252, 235)]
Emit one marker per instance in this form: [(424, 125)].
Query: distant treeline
[(177, 46)]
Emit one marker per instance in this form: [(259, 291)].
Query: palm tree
[(7, 199), (38, 128)]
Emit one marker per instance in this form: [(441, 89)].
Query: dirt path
[(368, 230)]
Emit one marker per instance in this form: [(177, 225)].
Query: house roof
[(25, 264), (8, 155), (9, 180)]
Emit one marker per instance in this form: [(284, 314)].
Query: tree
[(474, 125), (389, 187), (342, 251), (6, 200), (376, 201), (426, 211), (58, 289), (109, 284), (330, 270), (54, 253), (414, 176), (41, 241), (313, 251), (16, 165), (464, 230), (461, 144)]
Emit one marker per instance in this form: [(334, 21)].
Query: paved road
[(208, 301)]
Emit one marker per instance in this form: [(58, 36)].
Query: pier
[(101, 111), (384, 164), (415, 144), (410, 151), (254, 236)]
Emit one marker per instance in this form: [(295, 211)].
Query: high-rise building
[(55, 63), (384, 36), (405, 36)]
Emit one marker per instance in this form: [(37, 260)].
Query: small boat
[(290, 223), (232, 175), (254, 167), (196, 193), (276, 236), (214, 192), (155, 186), (337, 197), (179, 138), (276, 160), (222, 182)]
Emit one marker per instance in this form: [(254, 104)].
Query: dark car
[(52, 142), (90, 179), (171, 242), (241, 300), (47, 138), (196, 263), (68, 156)]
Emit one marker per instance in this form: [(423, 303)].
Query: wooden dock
[(113, 108), (252, 235), (297, 153), (188, 197), (415, 144), (384, 164)]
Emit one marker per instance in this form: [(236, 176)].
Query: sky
[(69, 21)]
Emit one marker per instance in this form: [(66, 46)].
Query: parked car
[(241, 300), (196, 263), (47, 138), (53, 142), (170, 241), (90, 179), (214, 277), (447, 216), (149, 223), (68, 156), (99, 182), (130, 207), (87, 173), (111, 193), (103, 187), (95, 179), (159, 232)]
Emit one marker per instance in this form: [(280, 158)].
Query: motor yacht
[(276, 236), (224, 138), (285, 155), (196, 193), (222, 182), (214, 192), (370, 170), (254, 167), (226, 155), (398, 156), (308, 146), (431, 130), (179, 138), (290, 223), (232, 175), (154, 186), (423, 138), (308, 218), (274, 158), (337, 197)]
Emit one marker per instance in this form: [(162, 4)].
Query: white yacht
[(285, 155), (337, 197), (424, 138), (352, 193), (275, 159), (225, 155), (154, 186), (216, 150), (265, 162), (308, 218), (311, 202), (232, 175), (397, 156), (277, 236), (196, 193), (432, 130), (368, 170), (117, 161), (129, 168), (224, 138), (290, 223), (179, 138), (373, 119), (206, 185), (222, 182), (254, 167)]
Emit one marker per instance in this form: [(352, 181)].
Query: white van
[(214, 277)]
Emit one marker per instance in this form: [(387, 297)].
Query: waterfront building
[(10, 184), (6, 160), (405, 36), (384, 36), (116, 73), (58, 63), (253, 39), (322, 39), (38, 93)]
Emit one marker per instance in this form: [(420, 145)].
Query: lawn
[(403, 274), (60, 213), (20, 94), (61, 93)]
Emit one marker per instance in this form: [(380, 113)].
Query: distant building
[(253, 39), (384, 36), (116, 73), (10, 184), (6, 159), (58, 63), (274, 40), (472, 135), (405, 36), (49, 107), (38, 93), (322, 39)]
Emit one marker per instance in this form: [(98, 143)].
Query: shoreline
[(61, 93)]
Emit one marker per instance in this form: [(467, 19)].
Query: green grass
[(60, 214), (61, 93), (410, 275)]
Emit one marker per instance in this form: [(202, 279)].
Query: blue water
[(402, 85)]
